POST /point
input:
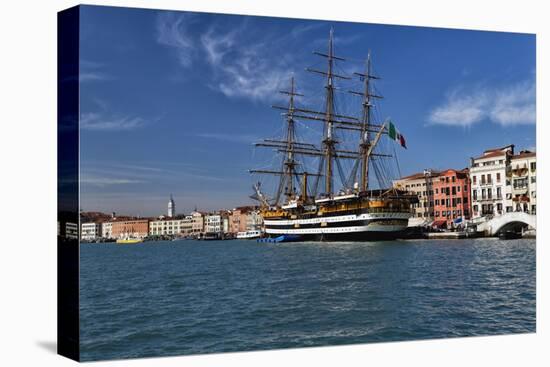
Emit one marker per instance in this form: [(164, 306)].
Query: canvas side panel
[(67, 183)]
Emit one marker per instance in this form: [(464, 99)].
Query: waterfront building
[(171, 207), (523, 174), (420, 184), (452, 198), (197, 223), (254, 220), (491, 184), (90, 231), (133, 228), (213, 224), (181, 226), (238, 219), (107, 230)]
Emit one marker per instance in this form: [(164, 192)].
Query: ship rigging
[(318, 211)]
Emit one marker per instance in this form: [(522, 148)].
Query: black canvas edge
[(68, 43)]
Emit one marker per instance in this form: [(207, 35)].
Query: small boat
[(128, 241), (509, 235), (249, 235)]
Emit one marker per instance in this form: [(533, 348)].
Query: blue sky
[(171, 102)]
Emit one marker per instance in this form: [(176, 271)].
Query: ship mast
[(290, 164), (366, 128), (290, 147), (328, 142), (366, 144)]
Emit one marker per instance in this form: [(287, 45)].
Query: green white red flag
[(394, 134)]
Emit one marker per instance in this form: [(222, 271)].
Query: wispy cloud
[(505, 106), (242, 138), (100, 122), (243, 63), (107, 181), (91, 71), (172, 31)]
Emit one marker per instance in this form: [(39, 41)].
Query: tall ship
[(348, 196)]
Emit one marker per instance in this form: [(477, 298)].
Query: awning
[(439, 223)]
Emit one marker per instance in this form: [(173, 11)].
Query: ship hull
[(349, 227)]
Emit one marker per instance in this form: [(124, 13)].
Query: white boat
[(248, 235)]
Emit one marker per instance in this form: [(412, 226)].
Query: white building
[(198, 223), (213, 223), (171, 207), (524, 182), (107, 230), (491, 186), (171, 227), (254, 221), (90, 231)]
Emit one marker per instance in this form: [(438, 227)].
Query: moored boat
[(128, 241)]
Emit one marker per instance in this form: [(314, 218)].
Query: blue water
[(187, 297)]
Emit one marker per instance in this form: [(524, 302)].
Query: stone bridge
[(514, 221)]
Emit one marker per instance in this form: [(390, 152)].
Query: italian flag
[(394, 134)]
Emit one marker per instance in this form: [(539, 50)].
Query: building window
[(458, 189), (499, 193), (475, 194), (533, 179), (437, 214), (533, 208), (499, 208), (483, 179), (489, 193), (483, 194), (520, 183), (489, 179), (533, 166), (454, 179), (443, 214), (476, 209), (465, 200), (498, 177), (475, 179), (509, 209), (533, 194), (437, 191)]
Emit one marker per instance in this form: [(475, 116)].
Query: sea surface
[(188, 297)]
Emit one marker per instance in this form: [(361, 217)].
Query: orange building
[(452, 201), (134, 228)]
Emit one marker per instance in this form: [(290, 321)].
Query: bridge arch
[(514, 221)]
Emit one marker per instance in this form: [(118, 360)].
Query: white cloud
[(93, 76), (243, 138), (91, 71), (107, 181), (515, 105), (243, 64), (172, 31), (509, 105), (100, 122)]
